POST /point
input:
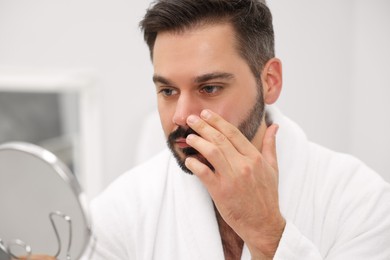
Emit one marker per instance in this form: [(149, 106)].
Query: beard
[(248, 127)]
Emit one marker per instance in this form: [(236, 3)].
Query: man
[(227, 189)]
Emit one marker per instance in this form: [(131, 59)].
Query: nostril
[(179, 120)]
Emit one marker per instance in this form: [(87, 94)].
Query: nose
[(185, 106)]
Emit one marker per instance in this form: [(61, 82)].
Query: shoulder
[(146, 177), (343, 168), (117, 213), (132, 192), (346, 185)]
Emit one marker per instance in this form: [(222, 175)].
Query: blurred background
[(75, 77)]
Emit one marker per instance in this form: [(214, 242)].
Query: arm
[(244, 184), (244, 189)]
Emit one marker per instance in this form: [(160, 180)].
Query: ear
[(271, 77)]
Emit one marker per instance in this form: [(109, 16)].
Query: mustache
[(181, 132)]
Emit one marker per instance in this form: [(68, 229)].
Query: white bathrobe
[(335, 208)]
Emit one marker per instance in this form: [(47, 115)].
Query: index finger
[(232, 133)]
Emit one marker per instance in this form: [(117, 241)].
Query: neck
[(232, 244)]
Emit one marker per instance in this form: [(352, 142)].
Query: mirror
[(3, 254), (59, 111), (47, 119), (42, 206)]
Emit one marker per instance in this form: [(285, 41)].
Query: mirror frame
[(65, 174)]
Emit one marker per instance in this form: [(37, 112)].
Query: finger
[(268, 149), (211, 152), (206, 176), (232, 133), (213, 136)]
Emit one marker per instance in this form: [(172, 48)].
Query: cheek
[(229, 112), (235, 111), (166, 120)]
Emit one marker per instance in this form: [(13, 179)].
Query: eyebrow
[(161, 79), (199, 79), (213, 76)]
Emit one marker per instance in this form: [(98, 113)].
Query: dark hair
[(251, 20)]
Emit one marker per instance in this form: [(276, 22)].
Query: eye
[(167, 92), (209, 89)]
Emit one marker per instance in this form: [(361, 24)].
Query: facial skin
[(198, 69), (204, 84), (248, 127)]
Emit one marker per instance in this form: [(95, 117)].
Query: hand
[(244, 186)]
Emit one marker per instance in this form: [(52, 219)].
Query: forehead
[(201, 31), (201, 47)]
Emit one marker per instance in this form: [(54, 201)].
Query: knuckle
[(246, 170), (232, 133), (203, 171), (196, 167), (219, 138), (258, 159), (213, 151), (201, 125)]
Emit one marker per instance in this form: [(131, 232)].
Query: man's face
[(198, 69)]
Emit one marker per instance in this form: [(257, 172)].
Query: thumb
[(268, 149)]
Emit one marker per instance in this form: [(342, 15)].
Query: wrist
[(265, 243)]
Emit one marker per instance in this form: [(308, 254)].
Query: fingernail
[(192, 119), (188, 161), (276, 129), (205, 114)]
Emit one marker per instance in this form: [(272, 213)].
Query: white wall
[(336, 83), (314, 41), (334, 65), (370, 120), (87, 34)]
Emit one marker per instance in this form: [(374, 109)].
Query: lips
[(181, 143)]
